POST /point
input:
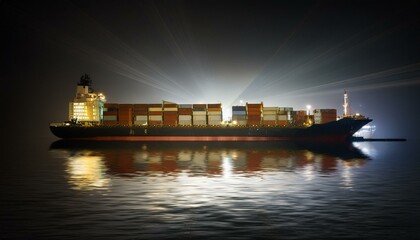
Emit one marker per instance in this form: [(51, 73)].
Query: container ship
[(92, 118)]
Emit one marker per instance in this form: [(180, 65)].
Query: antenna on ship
[(86, 81), (346, 106)]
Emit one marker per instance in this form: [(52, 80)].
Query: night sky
[(281, 53)]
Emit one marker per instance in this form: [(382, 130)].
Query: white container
[(213, 122), (200, 118), (184, 122), (199, 122), (184, 117), (282, 117), (214, 113), (140, 122), (199, 113), (272, 117), (172, 109), (270, 112), (218, 118), (141, 118), (155, 117), (270, 109), (155, 109)]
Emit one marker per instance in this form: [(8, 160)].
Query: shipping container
[(240, 122), (155, 109), (250, 117), (239, 112), (155, 117), (110, 123), (272, 117), (214, 105), (202, 106), (199, 122), (270, 109), (156, 105), (115, 113), (238, 108), (111, 118), (199, 113), (269, 122), (185, 106), (184, 117), (214, 113), (270, 112), (170, 109), (185, 111), (184, 122), (238, 117), (253, 122), (155, 113), (282, 123), (214, 123), (282, 117), (154, 123), (140, 123), (125, 105), (214, 118), (201, 117)]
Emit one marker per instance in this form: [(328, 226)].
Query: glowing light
[(86, 171), (308, 109)]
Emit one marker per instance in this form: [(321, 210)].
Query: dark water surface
[(73, 190)]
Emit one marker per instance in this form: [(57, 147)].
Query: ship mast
[(346, 106)]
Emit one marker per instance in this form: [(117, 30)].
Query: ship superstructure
[(87, 106)]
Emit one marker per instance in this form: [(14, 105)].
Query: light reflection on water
[(93, 165), (109, 190)]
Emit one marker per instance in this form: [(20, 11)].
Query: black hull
[(340, 130)]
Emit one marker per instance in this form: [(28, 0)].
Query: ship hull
[(340, 130)]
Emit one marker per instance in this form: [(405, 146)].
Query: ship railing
[(59, 124)]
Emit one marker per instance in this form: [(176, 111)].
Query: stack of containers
[(325, 115), (239, 115), (110, 114), (125, 114), (254, 111), (170, 114), (299, 117), (185, 114), (199, 114), (155, 114), (270, 116), (284, 116), (140, 112), (214, 114)]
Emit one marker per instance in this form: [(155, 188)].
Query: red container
[(215, 105), (110, 123), (155, 105), (125, 106), (155, 113), (282, 123), (251, 117), (154, 123), (269, 122), (185, 111), (199, 105)]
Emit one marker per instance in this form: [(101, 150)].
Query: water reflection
[(86, 170), (90, 165)]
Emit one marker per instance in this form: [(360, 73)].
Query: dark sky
[(282, 53)]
